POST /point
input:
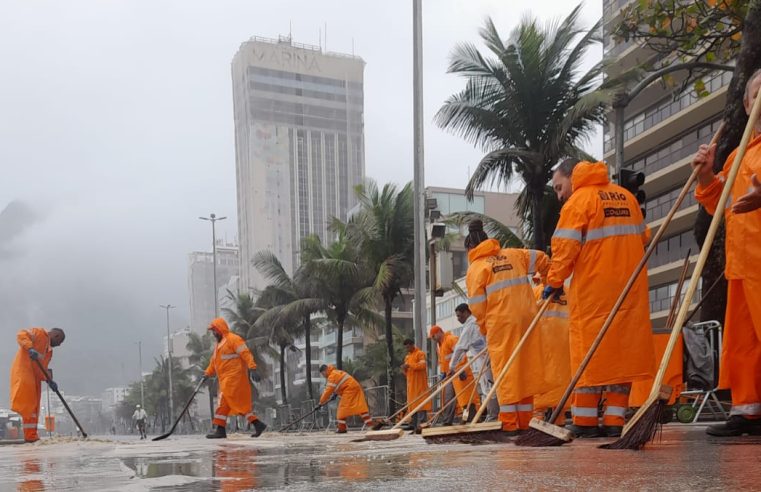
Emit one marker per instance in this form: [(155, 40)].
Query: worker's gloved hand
[(255, 377), (463, 376), (442, 376), (34, 354), (555, 292), (204, 378), (333, 397), (53, 385)]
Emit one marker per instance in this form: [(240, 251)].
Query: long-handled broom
[(644, 424), (396, 431), (390, 420), (466, 410), (487, 431), (545, 433), (444, 407)]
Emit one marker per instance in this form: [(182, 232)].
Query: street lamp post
[(213, 219), (142, 389), (169, 359), (419, 173)]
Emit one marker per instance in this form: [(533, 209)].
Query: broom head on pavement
[(643, 427), (466, 433), (544, 434)]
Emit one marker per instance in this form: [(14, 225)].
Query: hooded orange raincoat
[(462, 387), (600, 238), (352, 400), (417, 379), (230, 362), (741, 353), (502, 300), (26, 378)]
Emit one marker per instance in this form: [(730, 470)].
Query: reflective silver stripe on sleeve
[(476, 299), (331, 385), (504, 284), (584, 412), (342, 381), (615, 230), (240, 348), (556, 314), (567, 234), (229, 356), (448, 357), (531, 261)]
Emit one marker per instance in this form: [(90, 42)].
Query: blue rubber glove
[(53, 385), (34, 354), (255, 377), (552, 291), (333, 397), (442, 376), (463, 376)]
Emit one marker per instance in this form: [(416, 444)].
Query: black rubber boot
[(218, 433), (735, 426), (584, 431), (259, 427)]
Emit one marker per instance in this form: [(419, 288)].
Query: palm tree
[(527, 105), (384, 228), (298, 292), (342, 280)]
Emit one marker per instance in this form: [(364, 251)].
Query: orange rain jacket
[(600, 238), (446, 350), (230, 362), (417, 379), (557, 361), (743, 230), (502, 300), (352, 396), (26, 377)]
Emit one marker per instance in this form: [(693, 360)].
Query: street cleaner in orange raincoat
[(233, 364), (352, 402), (501, 299), (600, 239), (416, 372), (446, 342), (26, 376), (741, 353)]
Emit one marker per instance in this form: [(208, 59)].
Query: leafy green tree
[(528, 105)]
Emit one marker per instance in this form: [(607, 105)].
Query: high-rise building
[(299, 145), (663, 129), (201, 282)]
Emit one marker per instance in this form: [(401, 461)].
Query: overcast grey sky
[(116, 133)]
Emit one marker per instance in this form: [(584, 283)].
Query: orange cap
[(434, 330)]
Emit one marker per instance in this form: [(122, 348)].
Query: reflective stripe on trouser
[(515, 416), (741, 353), (366, 418), (587, 399), (223, 410), (340, 424), (29, 423)]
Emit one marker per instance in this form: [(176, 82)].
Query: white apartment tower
[(299, 145)]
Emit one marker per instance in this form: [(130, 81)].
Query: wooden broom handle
[(513, 356), (705, 250), (629, 284), (438, 390)]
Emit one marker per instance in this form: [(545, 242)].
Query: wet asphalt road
[(684, 459)]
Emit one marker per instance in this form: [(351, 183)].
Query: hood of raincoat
[(589, 174), (490, 247), (219, 325)]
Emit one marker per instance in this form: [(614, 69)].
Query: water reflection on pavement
[(685, 459)]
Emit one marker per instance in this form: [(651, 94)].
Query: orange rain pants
[(26, 378)]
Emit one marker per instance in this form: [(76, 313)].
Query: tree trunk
[(308, 348), (283, 393), (748, 60), (390, 364), (340, 342), (536, 218)]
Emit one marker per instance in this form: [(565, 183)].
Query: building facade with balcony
[(663, 128)]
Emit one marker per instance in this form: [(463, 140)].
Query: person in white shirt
[(471, 342), (140, 417)]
